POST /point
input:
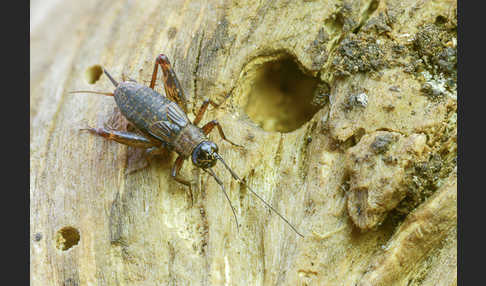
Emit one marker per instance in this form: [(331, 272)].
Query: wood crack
[(196, 69)]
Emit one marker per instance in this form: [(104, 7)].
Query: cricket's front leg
[(175, 174), (214, 123), (202, 110)]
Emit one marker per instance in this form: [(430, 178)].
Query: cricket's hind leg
[(137, 160), (126, 138), (173, 89)]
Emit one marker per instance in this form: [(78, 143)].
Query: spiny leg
[(126, 138), (203, 109), (210, 125), (172, 87), (133, 140), (175, 174)]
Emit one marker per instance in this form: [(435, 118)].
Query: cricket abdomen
[(140, 105)]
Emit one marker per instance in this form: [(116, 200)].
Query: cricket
[(165, 127)]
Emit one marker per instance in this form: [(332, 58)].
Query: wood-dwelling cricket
[(165, 127)]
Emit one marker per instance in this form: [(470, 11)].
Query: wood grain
[(269, 56)]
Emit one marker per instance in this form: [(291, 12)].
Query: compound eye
[(204, 155)]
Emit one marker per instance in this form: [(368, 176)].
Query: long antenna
[(210, 171), (253, 192)]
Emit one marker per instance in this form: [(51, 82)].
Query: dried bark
[(372, 68)]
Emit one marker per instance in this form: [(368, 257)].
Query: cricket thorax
[(189, 137)]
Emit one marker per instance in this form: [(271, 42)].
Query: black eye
[(203, 155)]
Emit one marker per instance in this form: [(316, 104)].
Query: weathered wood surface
[(368, 177)]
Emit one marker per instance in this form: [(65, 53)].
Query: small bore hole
[(281, 96), (93, 74), (66, 238), (38, 236), (440, 20)]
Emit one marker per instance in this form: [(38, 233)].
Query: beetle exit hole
[(281, 96), (66, 238), (93, 74)]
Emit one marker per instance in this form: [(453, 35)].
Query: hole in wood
[(38, 236), (66, 238), (93, 74), (281, 96)]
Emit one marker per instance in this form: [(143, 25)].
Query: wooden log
[(378, 142)]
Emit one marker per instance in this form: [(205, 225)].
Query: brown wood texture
[(368, 175)]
